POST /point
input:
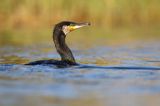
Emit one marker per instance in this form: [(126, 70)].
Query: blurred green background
[(24, 22)]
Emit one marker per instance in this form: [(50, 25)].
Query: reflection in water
[(121, 76)]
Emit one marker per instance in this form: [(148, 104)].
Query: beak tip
[(89, 24)]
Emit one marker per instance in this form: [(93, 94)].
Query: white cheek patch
[(65, 29)]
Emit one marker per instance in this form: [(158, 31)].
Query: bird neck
[(62, 48)]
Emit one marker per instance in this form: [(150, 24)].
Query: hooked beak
[(79, 25)]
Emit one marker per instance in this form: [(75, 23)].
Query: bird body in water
[(59, 34)]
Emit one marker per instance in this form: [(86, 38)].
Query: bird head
[(67, 26)]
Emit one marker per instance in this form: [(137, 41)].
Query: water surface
[(125, 75)]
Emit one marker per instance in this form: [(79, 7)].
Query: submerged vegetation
[(25, 16)]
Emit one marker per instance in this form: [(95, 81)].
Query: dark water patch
[(158, 61), (120, 67)]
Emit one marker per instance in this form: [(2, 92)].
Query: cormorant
[(59, 34)]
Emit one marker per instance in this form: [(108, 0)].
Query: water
[(126, 75)]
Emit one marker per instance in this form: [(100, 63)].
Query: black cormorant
[(59, 34)]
